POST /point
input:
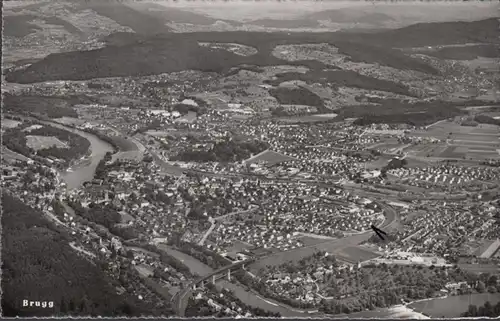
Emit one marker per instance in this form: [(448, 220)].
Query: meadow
[(270, 158), (465, 142), (297, 254), (355, 254)]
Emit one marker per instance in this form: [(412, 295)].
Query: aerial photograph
[(242, 159)]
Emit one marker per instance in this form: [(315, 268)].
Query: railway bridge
[(225, 271)]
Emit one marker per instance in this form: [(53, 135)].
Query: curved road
[(332, 246)]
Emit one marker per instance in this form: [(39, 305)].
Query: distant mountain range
[(129, 54)]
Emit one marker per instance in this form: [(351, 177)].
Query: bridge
[(216, 275), (182, 297)]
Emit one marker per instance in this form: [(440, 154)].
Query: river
[(83, 171), (248, 297), (453, 306), (437, 307)]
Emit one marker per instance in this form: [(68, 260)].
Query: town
[(253, 187)]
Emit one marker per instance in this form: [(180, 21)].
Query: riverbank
[(395, 312), (452, 306), (249, 297), (85, 170)]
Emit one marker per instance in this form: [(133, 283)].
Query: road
[(221, 218), (207, 233), (331, 246)]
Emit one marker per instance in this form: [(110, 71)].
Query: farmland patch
[(270, 158), (356, 254), (9, 123), (235, 48)]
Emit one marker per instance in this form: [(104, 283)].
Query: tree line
[(39, 264), (224, 151), (486, 310)]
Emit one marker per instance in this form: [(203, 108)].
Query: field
[(356, 254), (462, 141), (231, 47), (269, 157), (124, 144), (43, 142), (295, 255), (238, 246), (308, 241), (9, 123), (130, 155), (7, 155), (125, 218), (70, 121), (308, 119), (480, 268), (378, 163)]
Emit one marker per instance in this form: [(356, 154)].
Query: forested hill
[(39, 265)]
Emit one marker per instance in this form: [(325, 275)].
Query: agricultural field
[(238, 246), (235, 48), (465, 142), (43, 142), (9, 155), (307, 119), (356, 254), (72, 121), (269, 157), (295, 255), (308, 241), (479, 268), (133, 155), (441, 131), (9, 123), (125, 217)]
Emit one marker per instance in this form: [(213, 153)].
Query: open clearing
[(43, 142), (443, 129), (235, 48), (125, 217), (479, 142), (295, 255), (270, 158), (308, 119), (7, 154), (355, 254), (9, 123)]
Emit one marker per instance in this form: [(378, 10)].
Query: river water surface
[(83, 171), (444, 307), (248, 297), (448, 307)]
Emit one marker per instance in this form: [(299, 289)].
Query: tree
[(480, 287)]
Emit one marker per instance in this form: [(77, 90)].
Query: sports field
[(43, 142)]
